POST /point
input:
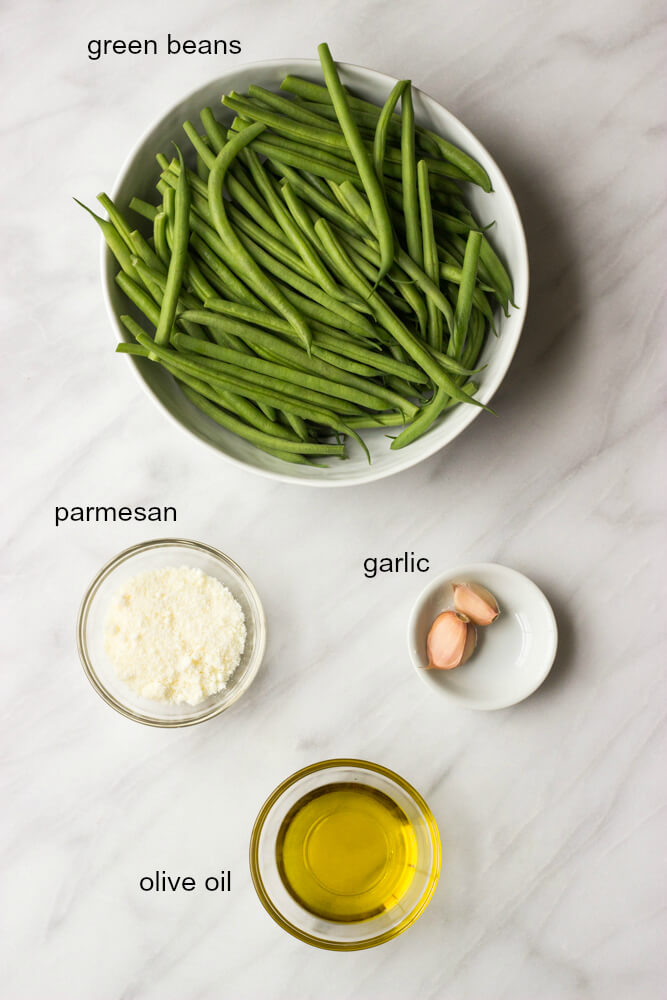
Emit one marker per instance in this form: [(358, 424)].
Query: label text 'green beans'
[(171, 46)]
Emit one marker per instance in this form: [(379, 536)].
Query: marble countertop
[(551, 813)]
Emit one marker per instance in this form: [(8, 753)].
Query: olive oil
[(346, 852)]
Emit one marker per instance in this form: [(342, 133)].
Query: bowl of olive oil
[(345, 854)]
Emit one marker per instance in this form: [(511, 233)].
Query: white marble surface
[(551, 813)]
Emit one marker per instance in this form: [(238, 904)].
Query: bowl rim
[(258, 882), (405, 460), (485, 704), (257, 654)]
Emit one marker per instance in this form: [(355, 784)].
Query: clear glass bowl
[(156, 554), (294, 918)]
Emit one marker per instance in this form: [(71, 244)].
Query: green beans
[(317, 274), (365, 170), (178, 259)]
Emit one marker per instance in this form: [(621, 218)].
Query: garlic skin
[(476, 603), (450, 642)]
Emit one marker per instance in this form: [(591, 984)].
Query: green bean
[(143, 208), (262, 285), (298, 425), (214, 130), (382, 127), (206, 154), (364, 166), (147, 276), (138, 296), (379, 420), (428, 415), (409, 179), (178, 259), (169, 198), (160, 237), (113, 239), (430, 254), (452, 273), (116, 218), (464, 300), (201, 169), (490, 268)]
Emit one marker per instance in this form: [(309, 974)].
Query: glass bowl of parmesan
[(171, 632)]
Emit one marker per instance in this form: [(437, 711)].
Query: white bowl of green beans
[(396, 353)]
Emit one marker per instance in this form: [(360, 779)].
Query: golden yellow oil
[(346, 852)]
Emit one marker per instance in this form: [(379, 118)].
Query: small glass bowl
[(314, 930), (165, 552)]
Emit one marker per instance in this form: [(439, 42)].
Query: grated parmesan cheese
[(175, 634)]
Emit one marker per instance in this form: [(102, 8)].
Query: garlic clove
[(476, 603), (471, 643), (448, 641)]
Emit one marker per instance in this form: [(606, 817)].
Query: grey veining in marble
[(552, 813)]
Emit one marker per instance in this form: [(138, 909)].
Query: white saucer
[(513, 655)]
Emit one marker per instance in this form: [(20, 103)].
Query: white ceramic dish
[(156, 554), (513, 655), (138, 177)]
